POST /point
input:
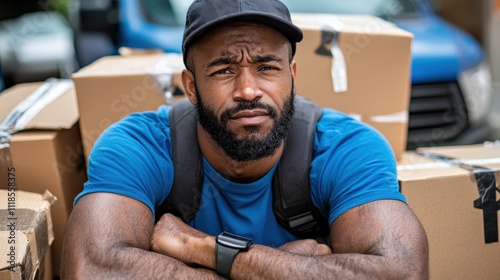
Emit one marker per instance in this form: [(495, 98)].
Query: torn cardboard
[(359, 65), (25, 233), (46, 153)]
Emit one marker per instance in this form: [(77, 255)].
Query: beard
[(253, 146)]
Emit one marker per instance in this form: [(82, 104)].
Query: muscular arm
[(378, 240), (108, 236)]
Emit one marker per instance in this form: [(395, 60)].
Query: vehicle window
[(165, 12), (380, 8), (173, 12)]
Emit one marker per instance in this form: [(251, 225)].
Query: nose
[(247, 86)]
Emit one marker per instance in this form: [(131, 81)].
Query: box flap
[(61, 113), (414, 166), (126, 65), (364, 24), (466, 152)]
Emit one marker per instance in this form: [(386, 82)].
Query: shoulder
[(138, 136), (140, 127), (133, 158), (353, 164), (141, 122)]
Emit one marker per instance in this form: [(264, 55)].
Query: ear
[(189, 86), (293, 70)]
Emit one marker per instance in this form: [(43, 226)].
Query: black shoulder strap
[(292, 204), (185, 196)]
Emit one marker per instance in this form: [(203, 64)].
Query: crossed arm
[(111, 236)]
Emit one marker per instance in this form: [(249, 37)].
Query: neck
[(237, 171)]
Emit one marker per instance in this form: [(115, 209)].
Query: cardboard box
[(25, 234), (115, 86), (47, 154), (359, 65), (462, 231)]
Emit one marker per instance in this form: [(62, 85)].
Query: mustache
[(248, 105)]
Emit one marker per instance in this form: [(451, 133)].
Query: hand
[(174, 238), (306, 247)]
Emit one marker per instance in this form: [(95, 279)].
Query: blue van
[(451, 84), (2, 84)]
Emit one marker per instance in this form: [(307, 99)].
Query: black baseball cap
[(203, 15)]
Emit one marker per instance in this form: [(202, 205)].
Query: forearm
[(261, 262), (108, 237), (266, 263), (130, 263), (389, 245)]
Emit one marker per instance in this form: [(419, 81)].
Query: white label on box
[(339, 70), (356, 116), (425, 165), (399, 117)]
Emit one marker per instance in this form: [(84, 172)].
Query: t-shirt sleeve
[(353, 165), (133, 158)]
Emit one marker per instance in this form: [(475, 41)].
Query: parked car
[(451, 84), (451, 87), (36, 46), (2, 83)]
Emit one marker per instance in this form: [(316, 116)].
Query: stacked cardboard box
[(26, 235), (47, 153), (115, 86), (359, 65), (453, 190)]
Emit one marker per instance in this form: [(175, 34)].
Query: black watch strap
[(225, 257)]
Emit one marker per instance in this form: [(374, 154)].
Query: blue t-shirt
[(353, 164)]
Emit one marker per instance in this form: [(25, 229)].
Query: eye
[(267, 68), (222, 72)]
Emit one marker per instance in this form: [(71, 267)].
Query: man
[(240, 75)]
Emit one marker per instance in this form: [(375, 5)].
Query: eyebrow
[(221, 61), (267, 58), (231, 59)]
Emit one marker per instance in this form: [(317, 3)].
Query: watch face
[(234, 240)]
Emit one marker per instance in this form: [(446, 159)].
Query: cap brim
[(292, 32)]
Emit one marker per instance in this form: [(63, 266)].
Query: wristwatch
[(227, 246)]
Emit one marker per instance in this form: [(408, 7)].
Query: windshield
[(173, 12), (379, 8), (165, 12)]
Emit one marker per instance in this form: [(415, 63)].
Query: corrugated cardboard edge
[(27, 250)]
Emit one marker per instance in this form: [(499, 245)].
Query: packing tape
[(27, 109), (6, 164), (163, 71), (487, 201), (22, 114), (329, 46), (486, 186), (453, 163), (339, 68)]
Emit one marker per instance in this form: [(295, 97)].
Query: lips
[(250, 117), (249, 114)]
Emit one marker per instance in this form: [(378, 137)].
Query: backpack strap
[(185, 196), (292, 202)]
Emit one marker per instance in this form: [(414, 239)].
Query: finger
[(323, 249)]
